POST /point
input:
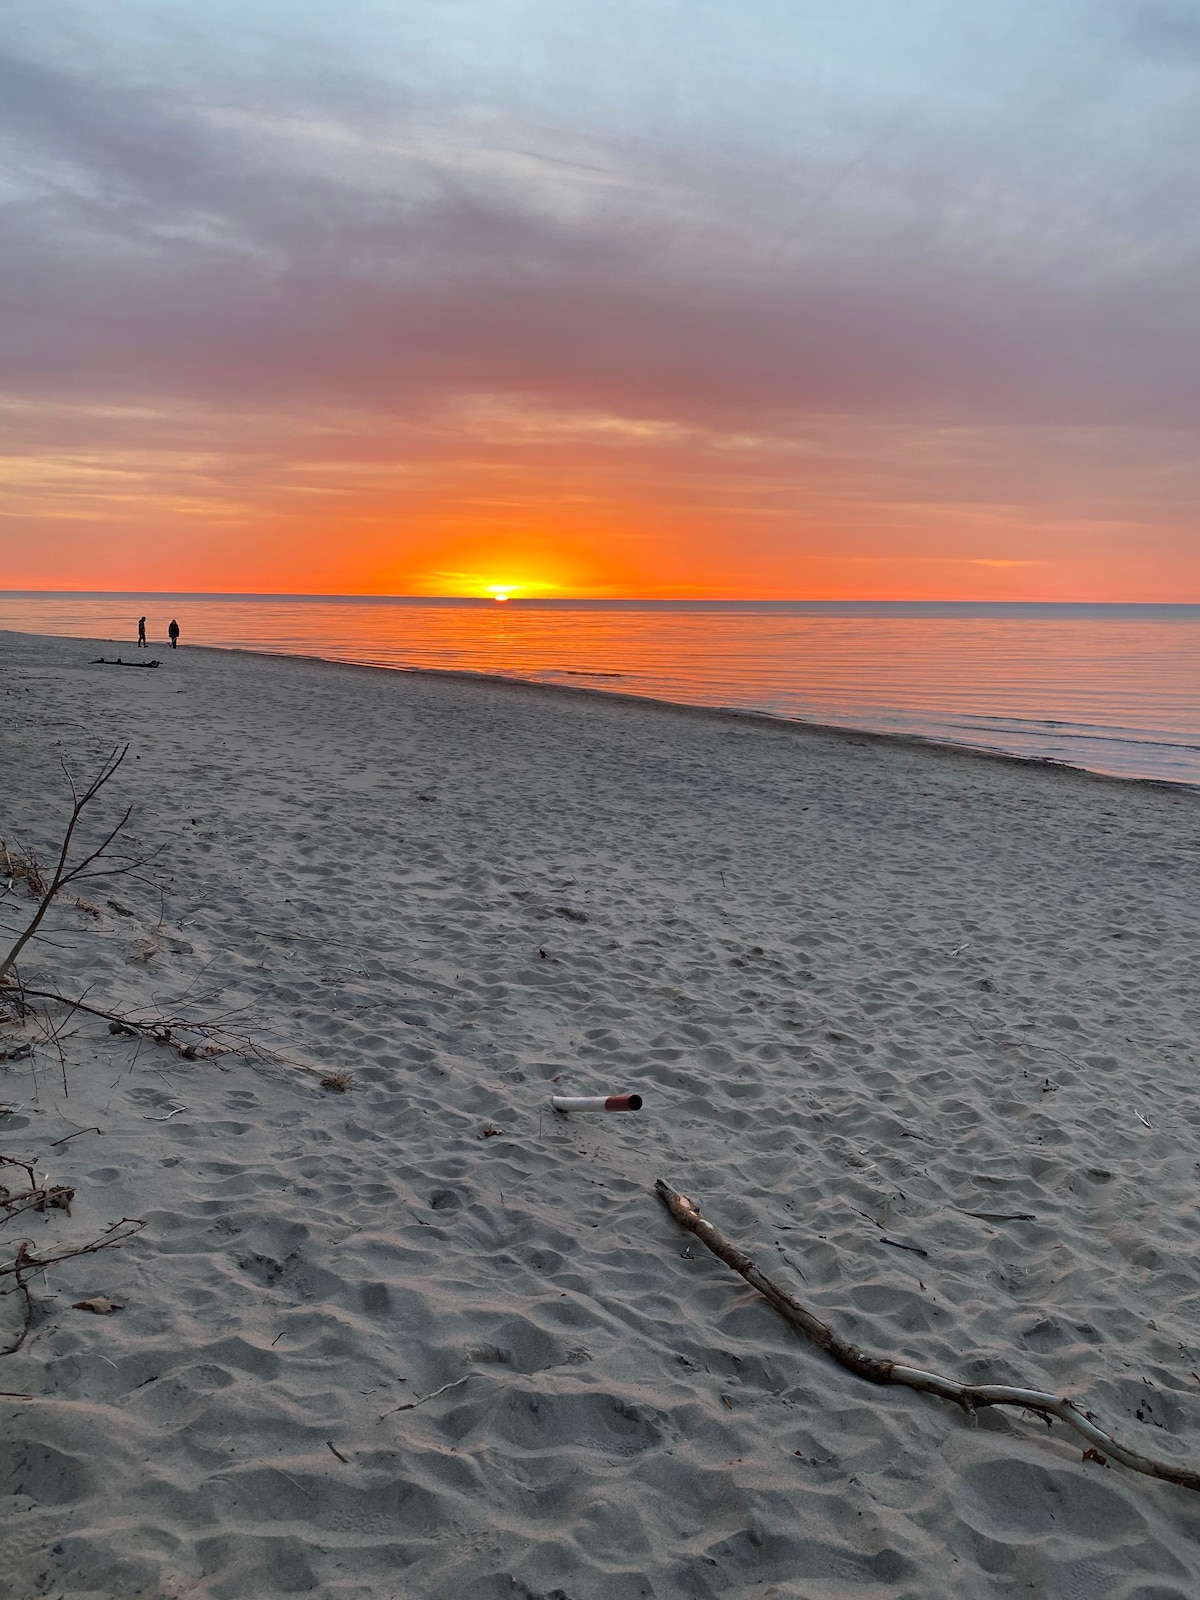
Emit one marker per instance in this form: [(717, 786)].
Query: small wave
[(1032, 728)]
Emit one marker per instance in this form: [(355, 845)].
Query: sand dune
[(870, 991)]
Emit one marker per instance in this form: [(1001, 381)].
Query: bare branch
[(218, 1035), (62, 873)]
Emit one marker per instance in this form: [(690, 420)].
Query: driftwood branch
[(218, 1035), (972, 1397), (160, 1029)]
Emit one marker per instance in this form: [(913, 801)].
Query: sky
[(739, 298)]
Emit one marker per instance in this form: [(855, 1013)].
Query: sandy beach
[(917, 1028)]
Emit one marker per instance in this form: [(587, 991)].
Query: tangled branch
[(25, 1264)]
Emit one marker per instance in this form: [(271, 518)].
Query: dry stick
[(970, 1396), (897, 1245), (411, 1405), (55, 1036), (134, 1026), (27, 1167), (160, 1030)]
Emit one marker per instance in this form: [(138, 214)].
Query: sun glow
[(484, 585), (533, 567)]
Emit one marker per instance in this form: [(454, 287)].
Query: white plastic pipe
[(596, 1102)]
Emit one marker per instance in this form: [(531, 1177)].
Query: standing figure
[(173, 634), (142, 645)]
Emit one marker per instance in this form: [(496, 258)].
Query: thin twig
[(999, 1216), (896, 1245), (413, 1404)]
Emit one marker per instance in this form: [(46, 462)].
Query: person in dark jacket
[(142, 645), (173, 634)]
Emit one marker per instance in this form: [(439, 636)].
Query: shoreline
[(851, 731), (423, 1337)]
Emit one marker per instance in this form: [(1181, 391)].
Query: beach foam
[(866, 989)]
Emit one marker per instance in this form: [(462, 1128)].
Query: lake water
[(1112, 688)]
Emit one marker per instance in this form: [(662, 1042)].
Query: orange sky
[(833, 305), (595, 507)]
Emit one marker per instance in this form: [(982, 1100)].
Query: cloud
[(188, 247), (1168, 29), (719, 242)]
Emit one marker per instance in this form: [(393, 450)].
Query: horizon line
[(565, 600)]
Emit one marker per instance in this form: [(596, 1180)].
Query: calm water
[(1112, 688)]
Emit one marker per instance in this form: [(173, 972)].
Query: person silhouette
[(142, 645), (173, 634)]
